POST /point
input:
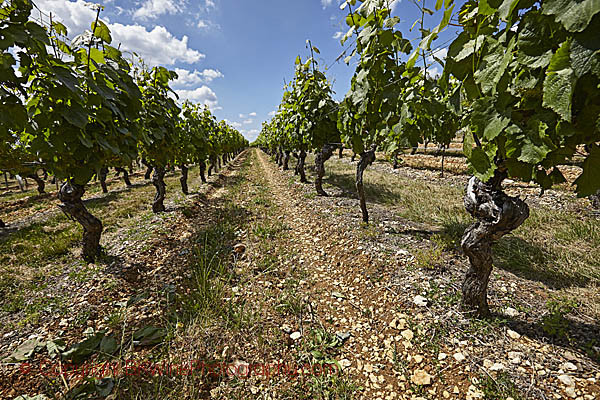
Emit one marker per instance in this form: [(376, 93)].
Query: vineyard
[(428, 236)]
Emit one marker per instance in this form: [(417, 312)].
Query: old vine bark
[(70, 195), (183, 179), (366, 158), (161, 188), (301, 162), (202, 166), (41, 185), (286, 160), (498, 214), (322, 156), (102, 178), (125, 175)]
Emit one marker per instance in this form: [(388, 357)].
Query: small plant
[(555, 322), (429, 258), (499, 388)]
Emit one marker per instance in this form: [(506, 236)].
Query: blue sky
[(233, 55)]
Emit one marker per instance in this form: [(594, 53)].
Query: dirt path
[(255, 271), (400, 344)]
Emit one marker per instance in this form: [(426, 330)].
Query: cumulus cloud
[(156, 46), (152, 9), (248, 121), (251, 134), (272, 113), (203, 95), (236, 125), (338, 35), (186, 78), (252, 114)]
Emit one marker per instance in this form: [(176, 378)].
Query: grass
[(558, 247)]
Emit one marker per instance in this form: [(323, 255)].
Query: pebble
[(420, 301), (459, 357), (295, 335), (421, 377)]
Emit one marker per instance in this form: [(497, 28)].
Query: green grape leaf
[(588, 183), (574, 15), (486, 120), (560, 83)]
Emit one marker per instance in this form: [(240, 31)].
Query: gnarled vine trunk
[(70, 195), (212, 167), (41, 185), (161, 188), (2, 224), (498, 214), (148, 169), (286, 160), (341, 151), (301, 162), (366, 158), (125, 175), (183, 179), (102, 178), (202, 166), (322, 156), (595, 199)]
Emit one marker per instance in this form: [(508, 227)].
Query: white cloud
[(248, 121), (251, 135), (186, 78), (157, 46), (152, 9), (77, 16), (272, 113), (252, 114), (210, 4), (236, 125), (203, 95), (338, 35), (207, 25)]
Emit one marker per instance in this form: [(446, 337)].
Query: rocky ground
[(255, 272)]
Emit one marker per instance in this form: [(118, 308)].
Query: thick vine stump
[(286, 160), (70, 194), (125, 175), (301, 161), (322, 156), (2, 224), (148, 169), (159, 183), (183, 179), (41, 185), (202, 165), (102, 177), (366, 158), (498, 214)]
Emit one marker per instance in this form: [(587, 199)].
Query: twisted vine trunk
[(498, 214), (159, 183), (366, 158), (353, 157), (102, 177), (301, 161), (125, 175), (2, 224), (286, 160), (70, 195), (219, 162), (341, 152), (212, 166), (322, 156), (41, 185), (183, 179), (297, 156), (148, 169), (595, 199), (202, 166)]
